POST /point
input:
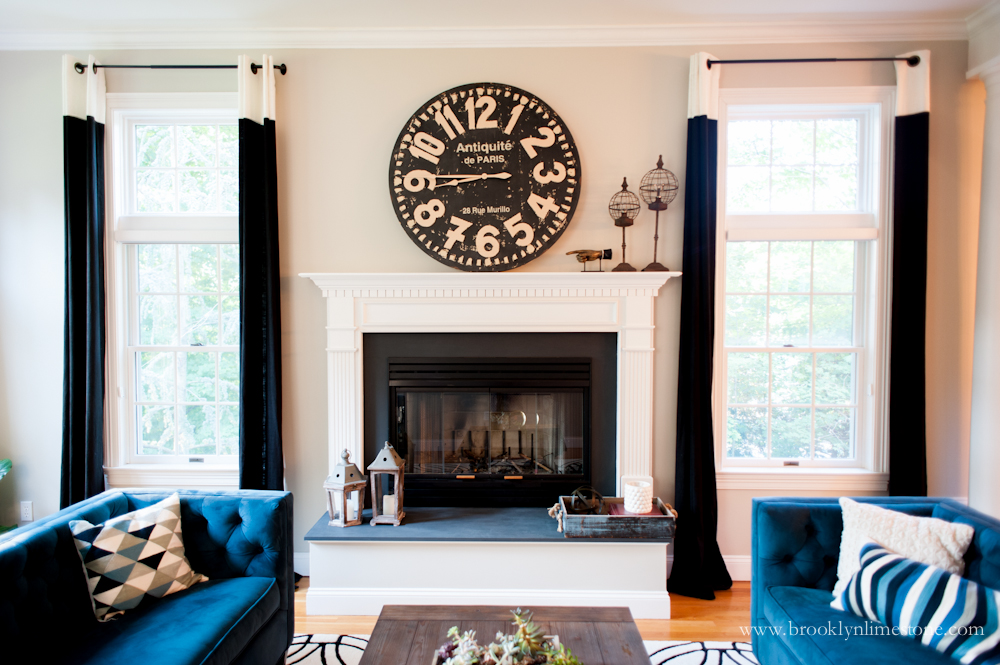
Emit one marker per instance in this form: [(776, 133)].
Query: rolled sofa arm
[(235, 533)]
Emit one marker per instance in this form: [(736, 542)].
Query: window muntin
[(183, 168), (789, 347), (183, 350), (793, 165)]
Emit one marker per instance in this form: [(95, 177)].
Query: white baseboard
[(369, 601), (300, 563), (738, 566)]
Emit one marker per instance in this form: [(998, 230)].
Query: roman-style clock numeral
[(447, 119), (542, 207), (484, 177), (548, 138), (456, 234), (484, 121), (515, 227), (427, 147)]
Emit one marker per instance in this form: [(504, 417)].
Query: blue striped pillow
[(941, 610)]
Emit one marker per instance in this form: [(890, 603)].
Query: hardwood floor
[(693, 619)]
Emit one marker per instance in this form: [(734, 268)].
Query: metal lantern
[(624, 208), (345, 493), (387, 501), (658, 188)]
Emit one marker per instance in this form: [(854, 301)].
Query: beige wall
[(338, 115)]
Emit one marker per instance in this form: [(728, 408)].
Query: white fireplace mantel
[(494, 302)]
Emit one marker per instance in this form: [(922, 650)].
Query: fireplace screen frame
[(492, 375)]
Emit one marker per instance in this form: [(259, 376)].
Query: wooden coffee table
[(410, 634)]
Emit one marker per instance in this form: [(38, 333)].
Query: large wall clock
[(484, 177)]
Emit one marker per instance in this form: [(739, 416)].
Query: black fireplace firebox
[(491, 431), (493, 419)]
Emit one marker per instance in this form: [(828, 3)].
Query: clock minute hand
[(463, 178)]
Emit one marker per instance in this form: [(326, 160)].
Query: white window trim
[(124, 229), (869, 472)]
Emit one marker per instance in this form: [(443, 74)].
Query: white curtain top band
[(703, 87), (256, 91), (913, 84), (84, 94)]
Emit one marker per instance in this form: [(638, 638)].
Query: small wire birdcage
[(623, 208)]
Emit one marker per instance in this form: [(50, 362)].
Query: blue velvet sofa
[(796, 546), (242, 540)]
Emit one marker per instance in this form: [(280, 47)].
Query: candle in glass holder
[(389, 505)]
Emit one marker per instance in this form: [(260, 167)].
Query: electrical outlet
[(27, 512)]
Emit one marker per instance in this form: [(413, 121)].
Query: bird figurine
[(584, 256)]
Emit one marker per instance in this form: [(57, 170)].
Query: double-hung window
[(175, 194), (802, 277)]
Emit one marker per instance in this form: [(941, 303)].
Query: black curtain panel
[(698, 569), (261, 463), (907, 424), (84, 334)]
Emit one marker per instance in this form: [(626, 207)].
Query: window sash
[(133, 349)]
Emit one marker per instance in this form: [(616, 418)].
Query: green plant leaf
[(5, 466)]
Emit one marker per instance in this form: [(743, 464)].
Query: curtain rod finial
[(913, 60)]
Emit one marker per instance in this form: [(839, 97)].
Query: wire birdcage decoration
[(623, 208), (658, 188)]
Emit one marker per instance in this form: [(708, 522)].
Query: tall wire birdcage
[(658, 188)]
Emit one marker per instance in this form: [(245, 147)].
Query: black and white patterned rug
[(347, 650)]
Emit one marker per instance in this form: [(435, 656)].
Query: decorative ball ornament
[(484, 177), (623, 208), (658, 188)]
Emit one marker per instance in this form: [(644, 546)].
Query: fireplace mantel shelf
[(528, 284)]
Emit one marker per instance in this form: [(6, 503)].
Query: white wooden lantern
[(387, 506), (345, 493)]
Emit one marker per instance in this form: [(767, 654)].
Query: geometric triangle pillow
[(134, 555)]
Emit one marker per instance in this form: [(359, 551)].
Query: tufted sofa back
[(796, 541), (226, 534)]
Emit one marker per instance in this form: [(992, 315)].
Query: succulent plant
[(529, 636)]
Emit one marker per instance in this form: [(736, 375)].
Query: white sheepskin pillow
[(925, 539)]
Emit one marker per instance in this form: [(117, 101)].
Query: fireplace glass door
[(492, 432)]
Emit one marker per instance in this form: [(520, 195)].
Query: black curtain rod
[(912, 60), (81, 68)]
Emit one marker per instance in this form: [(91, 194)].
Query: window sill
[(802, 479), (212, 476)]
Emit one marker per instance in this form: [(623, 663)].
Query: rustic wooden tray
[(576, 525)]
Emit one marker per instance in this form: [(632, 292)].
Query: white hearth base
[(359, 577)]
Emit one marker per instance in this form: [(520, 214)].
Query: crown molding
[(777, 32), (983, 19)]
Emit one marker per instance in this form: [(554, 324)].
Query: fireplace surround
[(447, 549), (513, 302)]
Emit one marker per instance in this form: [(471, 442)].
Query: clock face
[(484, 177)]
